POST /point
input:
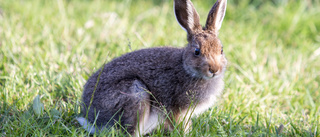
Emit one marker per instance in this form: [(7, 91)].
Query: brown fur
[(210, 48)]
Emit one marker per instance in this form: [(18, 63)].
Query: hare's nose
[(212, 72)]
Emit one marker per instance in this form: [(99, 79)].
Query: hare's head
[(203, 57)]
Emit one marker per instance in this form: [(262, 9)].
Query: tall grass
[(50, 48)]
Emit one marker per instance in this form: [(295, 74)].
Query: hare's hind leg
[(148, 117), (125, 106), (137, 110)]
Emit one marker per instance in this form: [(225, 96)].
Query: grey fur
[(133, 86)]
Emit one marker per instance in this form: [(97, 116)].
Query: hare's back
[(138, 65)]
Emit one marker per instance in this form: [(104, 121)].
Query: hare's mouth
[(209, 74), (200, 73)]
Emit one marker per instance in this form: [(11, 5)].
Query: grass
[(50, 48)]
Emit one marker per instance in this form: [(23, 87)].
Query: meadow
[(48, 49)]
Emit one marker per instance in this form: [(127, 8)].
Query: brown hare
[(134, 90)]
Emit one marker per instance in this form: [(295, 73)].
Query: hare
[(141, 89)]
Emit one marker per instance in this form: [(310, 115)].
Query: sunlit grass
[(50, 48)]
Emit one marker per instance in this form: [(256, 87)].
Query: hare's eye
[(197, 51), (221, 50)]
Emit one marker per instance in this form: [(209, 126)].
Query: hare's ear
[(187, 15), (216, 16)]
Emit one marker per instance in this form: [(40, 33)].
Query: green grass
[(50, 48)]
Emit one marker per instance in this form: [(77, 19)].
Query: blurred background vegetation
[(50, 48)]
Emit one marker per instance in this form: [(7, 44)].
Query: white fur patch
[(190, 15), (152, 123), (215, 90), (149, 123), (221, 13), (86, 125)]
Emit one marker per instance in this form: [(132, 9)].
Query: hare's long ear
[(187, 15), (216, 16)]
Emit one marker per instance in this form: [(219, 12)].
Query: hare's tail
[(87, 126)]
